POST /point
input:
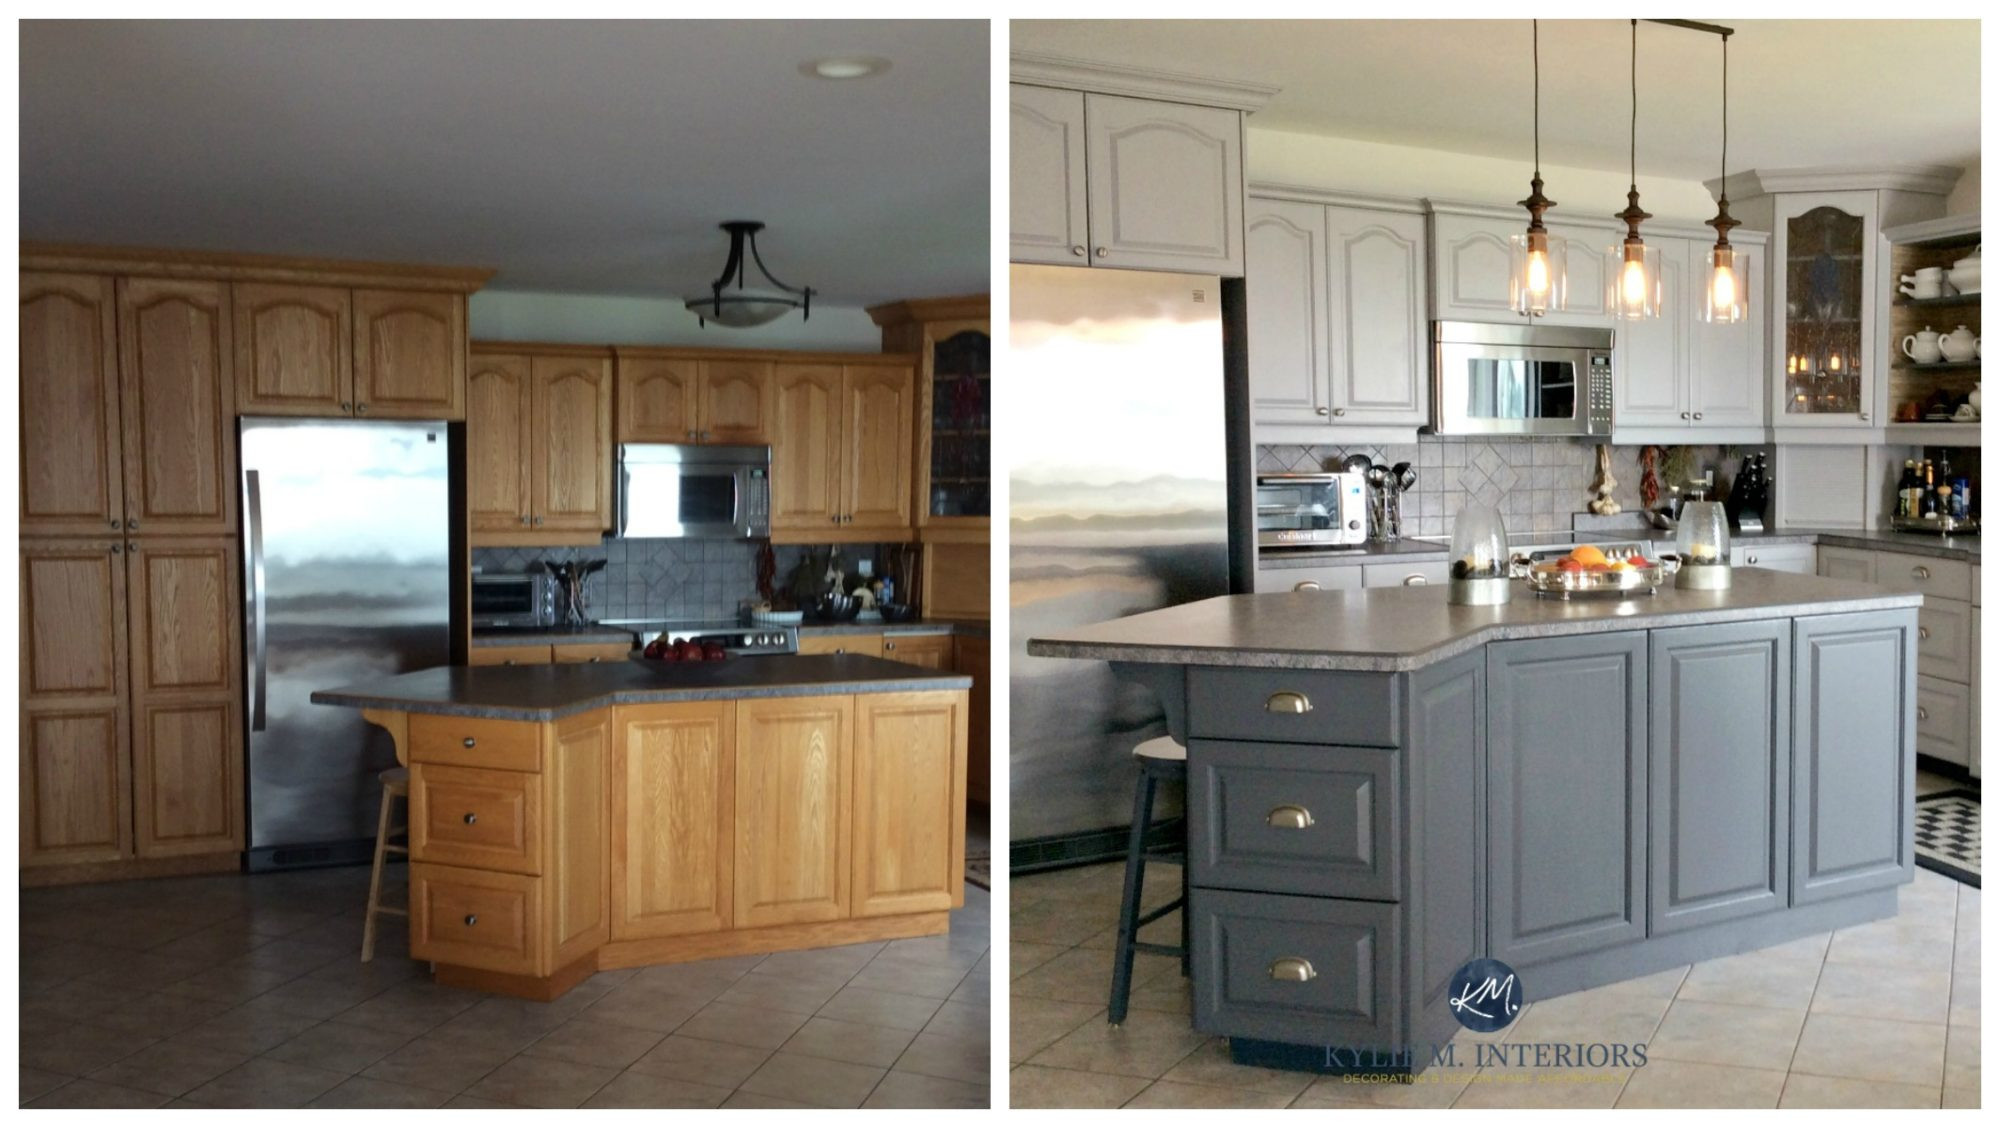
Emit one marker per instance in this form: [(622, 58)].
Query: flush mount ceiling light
[(1632, 272), (1727, 293), (1540, 272), (731, 302), (844, 67)]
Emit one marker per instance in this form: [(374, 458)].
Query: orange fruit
[(1587, 554)]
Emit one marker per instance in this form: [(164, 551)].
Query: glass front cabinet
[(952, 339)]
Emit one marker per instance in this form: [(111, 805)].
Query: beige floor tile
[(231, 984), (85, 1093), (1961, 1098), (78, 1049), (313, 997), (340, 1047), (964, 1021), (1903, 993), (1211, 1066), (853, 1042), (1036, 1023), (781, 992), (263, 1083), (1659, 985), (139, 971), (413, 1008), (1034, 1086), (815, 1081), (542, 1082), (463, 1101), (914, 1090), (741, 1099), (596, 1043), (246, 1030), (1063, 922), (1538, 1088), (1725, 1034), (1147, 1045), (1838, 1045), (881, 1008), (1025, 956), (1805, 1090), (1179, 1094), (819, 963), (160, 1015), (1961, 1058), (170, 1068), (937, 1055), (1597, 1015), (1964, 998), (439, 1062), (647, 1008), (368, 1092), (699, 1059), (1894, 941), (744, 1026), (1083, 975), (910, 977), (705, 978), (1662, 1083), (35, 1082), (1753, 979), (645, 1090), (946, 950)]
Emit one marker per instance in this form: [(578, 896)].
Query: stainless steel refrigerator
[(1120, 503), (347, 578)]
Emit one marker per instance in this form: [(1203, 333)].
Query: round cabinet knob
[(1293, 969), (347, 407), (1752, 559), (114, 522), (1697, 415), (888, 646), (471, 919), (691, 434), (1289, 817), (705, 436), (1102, 252), (597, 658), (1339, 411), (1078, 250), (471, 819), (1306, 585), (360, 409), (1324, 410), (1864, 417), (1285, 701), (469, 741), (1686, 415), (1415, 579), (116, 549), (132, 524)]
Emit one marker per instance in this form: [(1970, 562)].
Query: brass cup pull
[(1923, 714), (1306, 585), (1292, 969), (1290, 817), (470, 742), (1285, 701), (1920, 572), (471, 919), (471, 818), (1415, 579), (1923, 632)]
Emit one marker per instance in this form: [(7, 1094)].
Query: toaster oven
[(1301, 510), (513, 599)]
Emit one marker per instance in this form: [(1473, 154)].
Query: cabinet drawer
[(1931, 575), (475, 918), (1288, 819), (475, 817), (1294, 706), (593, 652), (1296, 969), (1405, 575), (508, 656), (1943, 720), (475, 742), (1944, 634), (1336, 577), (1800, 558)]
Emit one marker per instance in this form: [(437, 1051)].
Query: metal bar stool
[(395, 785), (1161, 759)]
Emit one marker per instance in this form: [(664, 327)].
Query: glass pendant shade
[(1726, 297), (741, 309), (1540, 273), (1632, 280)]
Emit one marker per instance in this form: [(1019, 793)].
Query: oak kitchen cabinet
[(1133, 183), (671, 396), (538, 445), (334, 351), (841, 451), (1337, 297)]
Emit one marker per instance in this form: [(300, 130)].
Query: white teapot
[(1923, 347), (1958, 345), (1964, 274)]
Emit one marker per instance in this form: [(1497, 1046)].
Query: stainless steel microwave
[(1520, 379), (513, 599), (1302, 510), (680, 490)]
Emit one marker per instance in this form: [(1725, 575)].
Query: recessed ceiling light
[(844, 66)]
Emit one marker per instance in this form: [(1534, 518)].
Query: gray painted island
[(1383, 786)]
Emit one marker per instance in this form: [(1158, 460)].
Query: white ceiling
[(586, 157), (1801, 92)]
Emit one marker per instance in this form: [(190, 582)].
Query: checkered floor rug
[(1948, 835)]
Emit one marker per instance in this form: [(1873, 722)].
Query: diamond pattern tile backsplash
[(1537, 484), (670, 579)]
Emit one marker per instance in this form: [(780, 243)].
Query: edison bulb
[(1632, 283), (1538, 272), (1722, 289)]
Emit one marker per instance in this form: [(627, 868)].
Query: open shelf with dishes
[(1932, 332)]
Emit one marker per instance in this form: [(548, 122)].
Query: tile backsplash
[(1537, 484), (671, 579)]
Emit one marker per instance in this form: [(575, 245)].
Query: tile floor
[(1881, 1015), (234, 991)]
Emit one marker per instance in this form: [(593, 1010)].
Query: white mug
[(1922, 288)]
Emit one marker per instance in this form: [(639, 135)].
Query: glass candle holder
[(1703, 542), (1479, 557)]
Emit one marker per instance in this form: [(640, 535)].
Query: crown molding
[(1950, 227), (1091, 77), (1927, 179), (1300, 193), (233, 267)]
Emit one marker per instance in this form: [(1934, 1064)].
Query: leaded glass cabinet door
[(959, 461), (1823, 282)]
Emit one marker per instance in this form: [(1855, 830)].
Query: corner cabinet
[(538, 446), (1131, 183), (1337, 315)]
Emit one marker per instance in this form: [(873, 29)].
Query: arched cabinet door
[(656, 399), (1376, 291), (735, 398), (293, 349), (177, 400), (570, 456), (1474, 264), (409, 355), (1045, 172), (1285, 284), (1165, 185), (806, 445), (497, 440), (71, 477)]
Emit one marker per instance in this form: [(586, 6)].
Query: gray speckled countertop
[(1407, 628), (547, 693), (1415, 551)]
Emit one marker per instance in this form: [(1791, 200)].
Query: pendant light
[(1632, 269), (740, 307), (1540, 271), (1725, 300)]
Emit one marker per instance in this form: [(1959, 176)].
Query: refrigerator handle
[(253, 593)]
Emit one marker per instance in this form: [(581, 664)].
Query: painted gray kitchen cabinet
[(1720, 752), (1445, 860), (1047, 206), (1853, 753), (1566, 762), (1165, 183), (1289, 819), (1378, 354), (1297, 969), (1286, 313)]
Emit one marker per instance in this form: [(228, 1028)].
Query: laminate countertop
[(551, 692), (1412, 551), (1407, 628)]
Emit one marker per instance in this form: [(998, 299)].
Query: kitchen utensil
[(1354, 464), (1958, 345), (1923, 347), (1405, 476)]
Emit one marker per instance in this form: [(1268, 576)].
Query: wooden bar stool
[(1161, 759), (395, 785)]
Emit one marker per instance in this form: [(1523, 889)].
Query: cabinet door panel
[(1721, 772), (656, 399), (1166, 185), (497, 439), (177, 402), (184, 616), (1652, 355), (806, 447), (1285, 286), (1566, 741), (1729, 384), (571, 448), (1378, 360), (72, 621), (1046, 203), (932, 652), (793, 788), (75, 785), (1474, 265), (876, 469), (909, 810), (292, 349), (71, 480), (187, 759), (1847, 563), (672, 805), (578, 863), (409, 354), (1585, 298), (735, 401), (1853, 753)]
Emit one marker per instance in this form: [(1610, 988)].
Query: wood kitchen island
[(569, 818), (1383, 787)]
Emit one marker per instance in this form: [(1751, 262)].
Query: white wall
[(583, 319), (1964, 198), (1339, 163)]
